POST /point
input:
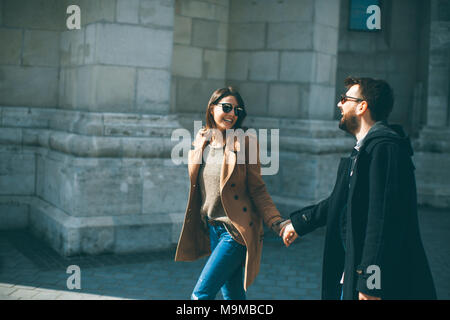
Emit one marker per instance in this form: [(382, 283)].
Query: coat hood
[(384, 132)]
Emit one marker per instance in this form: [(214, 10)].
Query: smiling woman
[(228, 203)]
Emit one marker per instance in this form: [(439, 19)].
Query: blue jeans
[(224, 268)]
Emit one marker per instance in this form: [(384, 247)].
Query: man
[(373, 249)]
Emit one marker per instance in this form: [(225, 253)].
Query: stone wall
[(86, 150), (392, 54), (199, 53), (282, 57)]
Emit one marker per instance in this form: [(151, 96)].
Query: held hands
[(363, 296), (288, 234)]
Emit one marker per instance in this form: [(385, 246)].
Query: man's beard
[(349, 123)]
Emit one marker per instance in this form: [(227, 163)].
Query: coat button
[(236, 197), (245, 209), (233, 185), (251, 223)]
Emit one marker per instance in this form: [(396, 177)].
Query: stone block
[(321, 102), (143, 236), (153, 91), (13, 216), (28, 86), (72, 49), (127, 11), (284, 100), (201, 9), (238, 65), (271, 11), (298, 66), (205, 33), (290, 36), (99, 88), (214, 64), (432, 178), (264, 66), (325, 69), (246, 36), (359, 42), (326, 12), (26, 117), (11, 136), (193, 94), (182, 30), (96, 11), (255, 97), (44, 15), (41, 48), (222, 36), (11, 40), (156, 13), (129, 45), (326, 39), (18, 173), (166, 189), (182, 54)]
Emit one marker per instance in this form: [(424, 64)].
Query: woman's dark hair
[(218, 95), (377, 93)]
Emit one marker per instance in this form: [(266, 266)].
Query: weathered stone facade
[(86, 116)]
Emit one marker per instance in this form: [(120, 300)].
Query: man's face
[(350, 122)]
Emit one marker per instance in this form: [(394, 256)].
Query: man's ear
[(362, 108)]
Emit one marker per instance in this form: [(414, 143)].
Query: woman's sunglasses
[(344, 99), (227, 107)]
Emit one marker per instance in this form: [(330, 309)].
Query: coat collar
[(196, 157)]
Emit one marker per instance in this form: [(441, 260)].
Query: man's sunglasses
[(227, 107), (344, 99)]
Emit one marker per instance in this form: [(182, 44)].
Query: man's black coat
[(374, 200)]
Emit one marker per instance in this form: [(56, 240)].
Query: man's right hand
[(289, 234)]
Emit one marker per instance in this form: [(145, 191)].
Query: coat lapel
[(195, 158), (229, 161)]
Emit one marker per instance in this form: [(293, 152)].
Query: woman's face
[(224, 120)]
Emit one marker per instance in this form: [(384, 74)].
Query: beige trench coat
[(247, 211)]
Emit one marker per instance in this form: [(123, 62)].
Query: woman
[(227, 203)]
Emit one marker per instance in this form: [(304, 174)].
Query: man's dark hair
[(377, 93)]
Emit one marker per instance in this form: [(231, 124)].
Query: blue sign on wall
[(365, 15)]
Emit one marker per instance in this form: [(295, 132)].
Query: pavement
[(31, 270)]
